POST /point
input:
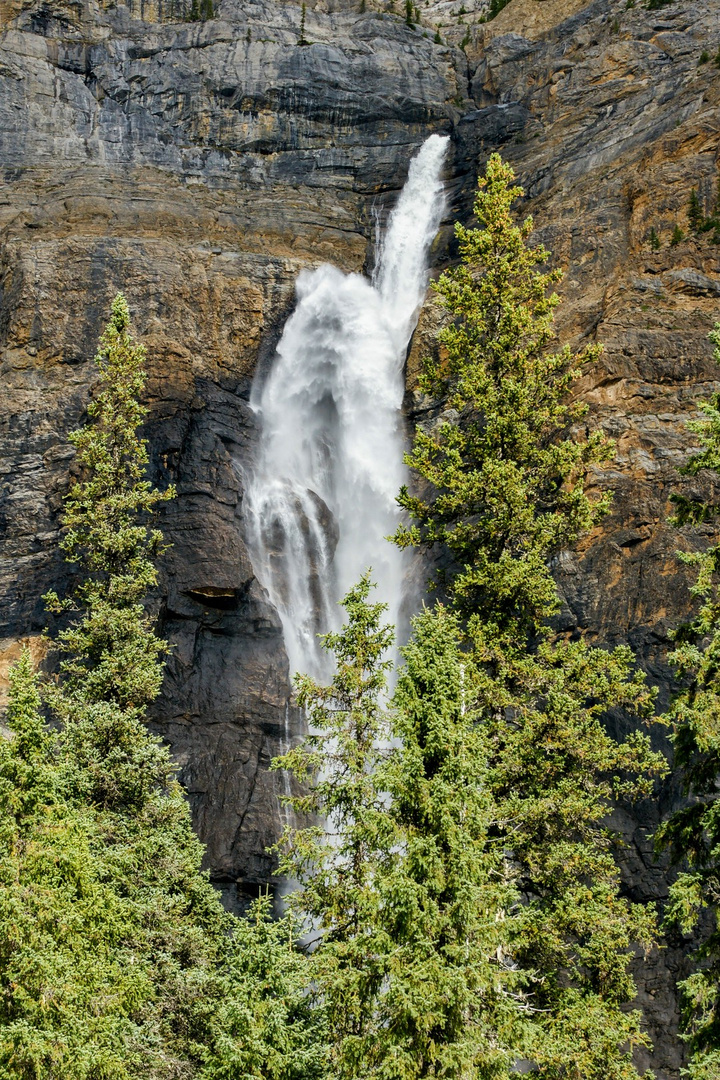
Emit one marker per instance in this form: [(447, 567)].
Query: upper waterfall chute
[(321, 499)]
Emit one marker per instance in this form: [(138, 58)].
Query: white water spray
[(322, 496)]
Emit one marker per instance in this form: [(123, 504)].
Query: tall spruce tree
[(693, 832), (111, 666), (337, 863), (455, 1002), (407, 890), (505, 478), (117, 959)]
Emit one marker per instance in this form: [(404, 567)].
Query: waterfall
[(321, 498)]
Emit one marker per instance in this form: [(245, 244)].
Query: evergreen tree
[(455, 1001), (26, 760), (407, 891), (337, 865), (507, 483), (556, 774), (117, 959), (302, 40), (654, 239), (67, 991), (693, 833), (677, 236), (696, 217), (110, 667), (504, 489), (112, 654), (263, 1024)]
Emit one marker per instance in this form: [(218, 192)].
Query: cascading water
[(321, 499)]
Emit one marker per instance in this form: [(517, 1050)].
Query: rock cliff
[(199, 165)]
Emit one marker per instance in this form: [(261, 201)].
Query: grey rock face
[(199, 167)]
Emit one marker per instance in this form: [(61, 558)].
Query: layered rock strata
[(199, 166)]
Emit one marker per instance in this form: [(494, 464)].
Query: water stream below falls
[(321, 499)]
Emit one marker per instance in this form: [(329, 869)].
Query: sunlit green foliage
[(407, 890), (456, 992), (338, 861), (507, 478), (117, 959), (111, 653), (693, 832), (555, 776), (262, 1023), (464, 898), (505, 473)]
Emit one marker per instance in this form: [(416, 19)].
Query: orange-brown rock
[(199, 166)]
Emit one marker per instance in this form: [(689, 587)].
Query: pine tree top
[(110, 653), (506, 464)]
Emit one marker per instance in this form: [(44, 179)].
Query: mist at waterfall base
[(322, 496)]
